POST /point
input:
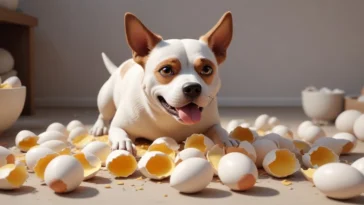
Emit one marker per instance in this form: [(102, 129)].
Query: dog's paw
[(100, 128), (229, 142), (124, 144)]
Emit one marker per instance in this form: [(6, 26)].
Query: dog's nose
[(191, 90)]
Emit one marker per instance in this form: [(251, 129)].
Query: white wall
[(279, 46)]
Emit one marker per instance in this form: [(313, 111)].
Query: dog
[(168, 87)]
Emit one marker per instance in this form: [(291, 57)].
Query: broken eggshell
[(79, 137), (318, 156), (6, 156), (199, 141), (273, 122), (57, 146), (56, 126), (244, 147), (51, 135), (283, 131), (38, 158), (90, 163), (121, 163), (302, 128), (242, 134), (166, 145), (12, 176), (262, 148), (156, 165), (25, 140), (188, 153), (99, 149), (74, 124), (281, 163), (348, 139), (214, 155), (331, 143), (232, 124), (261, 123), (312, 133)]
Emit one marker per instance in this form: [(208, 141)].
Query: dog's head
[(181, 76)]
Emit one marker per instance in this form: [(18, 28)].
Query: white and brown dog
[(168, 88)]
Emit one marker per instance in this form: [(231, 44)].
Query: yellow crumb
[(286, 182), (108, 186), (120, 183), (166, 195), (139, 178), (159, 182), (140, 188)]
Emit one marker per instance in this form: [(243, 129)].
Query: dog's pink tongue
[(189, 114)]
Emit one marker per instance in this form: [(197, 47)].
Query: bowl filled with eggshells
[(12, 95), (64, 156)]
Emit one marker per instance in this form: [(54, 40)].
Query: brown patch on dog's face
[(205, 69), (167, 70)]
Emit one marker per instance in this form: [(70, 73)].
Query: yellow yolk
[(122, 166), (28, 143), (196, 141), (65, 151), (159, 166), (322, 156), (214, 156), (87, 167), (5, 86), (348, 147), (301, 146), (17, 175), (163, 148), (308, 173), (284, 164), (242, 134), (41, 165), (82, 140)]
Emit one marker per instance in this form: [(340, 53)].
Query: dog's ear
[(220, 36), (140, 39)]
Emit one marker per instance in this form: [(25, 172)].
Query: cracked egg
[(318, 156), (6, 156), (99, 149), (79, 137), (302, 146), (281, 163), (38, 158), (74, 124), (263, 147), (121, 163), (331, 143), (283, 131), (214, 156), (156, 165), (348, 139), (56, 126), (308, 173), (90, 163), (25, 140), (200, 142), (244, 148), (12, 176), (166, 145), (242, 134), (188, 153), (57, 146), (51, 135)]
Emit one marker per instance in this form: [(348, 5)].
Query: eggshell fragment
[(13, 82), (308, 173), (345, 121), (233, 124), (302, 146), (56, 126), (262, 148), (188, 153), (245, 125), (261, 123), (99, 149), (79, 137), (273, 137), (38, 158), (90, 163), (339, 181), (358, 128), (57, 146), (359, 165), (64, 174), (312, 133), (242, 134), (73, 124), (214, 155), (237, 171), (12, 176), (246, 148), (121, 163), (25, 140), (51, 135), (283, 131), (302, 127), (273, 122), (156, 165), (6, 156), (191, 175), (348, 139), (318, 156), (281, 163), (166, 145), (200, 142), (331, 143)]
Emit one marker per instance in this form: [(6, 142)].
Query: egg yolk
[(301, 146), (82, 140), (28, 143), (162, 148), (348, 147), (122, 166), (160, 166), (242, 134), (87, 167), (214, 156), (17, 175), (41, 165), (196, 141), (321, 156), (284, 164), (5, 86)]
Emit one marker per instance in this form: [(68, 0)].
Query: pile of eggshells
[(64, 156), (11, 82)]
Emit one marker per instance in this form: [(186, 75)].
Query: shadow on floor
[(210, 193), (259, 191), (82, 192), (21, 191), (356, 200), (99, 180)]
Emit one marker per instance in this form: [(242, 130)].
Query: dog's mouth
[(188, 114)]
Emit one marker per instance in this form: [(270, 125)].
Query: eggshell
[(166, 145), (283, 131), (318, 156), (255, 133), (261, 123), (25, 140), (57, 146), (156, 165), (188, 153), (6, 156), (359, 165), (56, 126), (64, 174), (13, 81), (285, 143), (237, 171), (214, 155), (281, 163), (273, 137), (308, 174), (121, 163), (246, 148), (302, 127), (312, 133), (339, 181), (90, 163), (12, 176), (245, 125), (262, 148), (331, 143), (358, 128), (79, 137), (273, 121), (38, 158), (99, 149), (200, 142), (302, 146), (345, 121), (242, 134), (233, 124), (361, 98), (348, 139), (73, 124), (191, 175), (51, 135)]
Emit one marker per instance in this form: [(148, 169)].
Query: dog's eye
[(206, 70), (166, 71)]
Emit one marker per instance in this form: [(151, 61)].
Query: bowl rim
[(16, 88), (318, 92)]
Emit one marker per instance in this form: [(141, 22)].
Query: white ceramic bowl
[(11, 105), (321, 106)]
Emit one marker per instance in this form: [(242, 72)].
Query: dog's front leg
[(220, 136), (120, 140)]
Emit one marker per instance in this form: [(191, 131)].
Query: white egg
[(13, 81), (281, 163), (12, 176), (348, 140), (191, 175), (166, 145), (6, 156), (51, 135), (262, 148), (359, 128), (359, 165), (261, 123), (318, 156), (233, 124), (38, 158), (188, 153), (56, 126), (242, 134), (338, 91), (57, 146), (156, 165), (25, 140), (199, 141), (79, 137), (237, 171), (312, 133), (345, 121), (325, 90), (73, 124), (283, 131), (273, 121), (121, 163), (339, 181), (64, 174), (246, 148), (273, 137), (90, 163), (331, 143), (302, 146), (99, 149), (285, 143), (302, 128), (361, 98)]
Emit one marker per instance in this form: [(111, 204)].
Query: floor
[(267, 191)]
